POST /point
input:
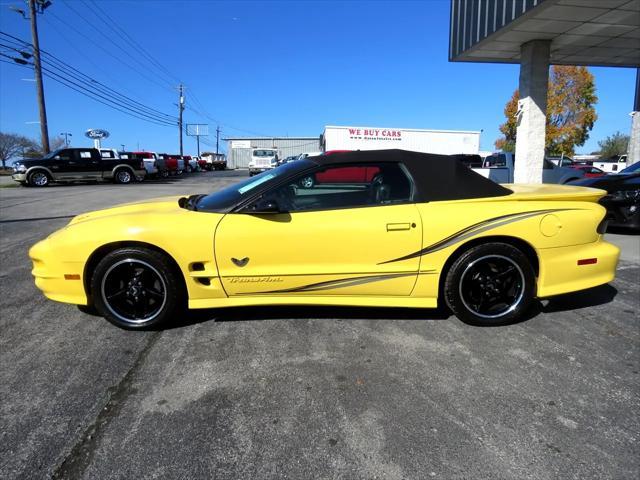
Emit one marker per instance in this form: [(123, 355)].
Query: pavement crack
[(79, 458)]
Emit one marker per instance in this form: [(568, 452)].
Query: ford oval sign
[(96, 133)]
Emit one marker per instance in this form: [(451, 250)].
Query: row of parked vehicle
[(92, 164)]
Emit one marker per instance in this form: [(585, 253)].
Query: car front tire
[(489, 285), (38, 178), (137, 289), (308, 182)]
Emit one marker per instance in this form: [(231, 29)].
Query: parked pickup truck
[(499, 168), (150, 160), (613, 165), (76, 164)]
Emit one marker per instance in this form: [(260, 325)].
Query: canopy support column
[(532, 111)]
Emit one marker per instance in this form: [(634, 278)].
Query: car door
[(86, 164), (62, 165), (333, 240)]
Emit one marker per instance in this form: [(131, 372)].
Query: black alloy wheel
[(491, 284), (136, 288)]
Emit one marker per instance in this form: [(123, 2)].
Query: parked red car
[(355, 174), (172, 164), (589, 171)]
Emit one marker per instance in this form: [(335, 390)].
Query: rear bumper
[(560, 272), (60, 281)]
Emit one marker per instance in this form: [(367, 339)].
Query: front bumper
[(58, 280), (560, 272), (19, 177)]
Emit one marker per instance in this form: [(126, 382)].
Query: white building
[(445, 142)]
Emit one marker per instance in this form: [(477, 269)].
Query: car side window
[(345, 186), (66, 155)]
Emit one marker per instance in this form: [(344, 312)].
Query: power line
[(104, 15), (120, 99), (88, 93), (119, 59)]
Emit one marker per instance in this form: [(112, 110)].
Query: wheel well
[(520, 244), (570, 180), (98, 254), (39, 169), (123, 167)]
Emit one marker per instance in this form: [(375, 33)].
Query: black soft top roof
[(437, 177)]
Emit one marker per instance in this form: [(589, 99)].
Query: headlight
[(18, 167), (633, 195)]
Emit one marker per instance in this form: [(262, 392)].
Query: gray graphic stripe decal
[(341, 283), (476, 229)]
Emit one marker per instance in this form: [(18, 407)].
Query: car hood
[(28, 162), (152, 206)]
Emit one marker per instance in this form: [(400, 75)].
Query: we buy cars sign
[(377, 138)]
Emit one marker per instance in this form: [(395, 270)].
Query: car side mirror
[(57, 157), (265, 206)]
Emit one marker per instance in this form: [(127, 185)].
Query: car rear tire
[(39, 178), (489, 285), (123, 176), (137, 288)]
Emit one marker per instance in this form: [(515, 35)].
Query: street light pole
[(66, 138), (44, 129)]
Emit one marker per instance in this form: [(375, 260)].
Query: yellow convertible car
[(385, 228)]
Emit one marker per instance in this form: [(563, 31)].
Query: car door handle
[(394, 227)]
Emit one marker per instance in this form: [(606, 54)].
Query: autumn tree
[(571, 111), (616, 144)]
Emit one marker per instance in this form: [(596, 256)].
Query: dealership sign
[(96, 133), (375, 134)]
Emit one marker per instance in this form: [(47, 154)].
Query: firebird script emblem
[(240, 263)]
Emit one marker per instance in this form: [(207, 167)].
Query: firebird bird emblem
[(240, 263)]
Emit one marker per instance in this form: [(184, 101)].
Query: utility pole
[(44, 128), (217, 139), (66, 138), (180, 110)]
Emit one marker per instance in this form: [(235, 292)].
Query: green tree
[(571, 111), (616, 144)]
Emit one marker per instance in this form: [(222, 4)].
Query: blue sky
[(271, 68)]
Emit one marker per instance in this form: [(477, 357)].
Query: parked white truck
[(613, 165), (262, 159), (446, 142), (499, 167)]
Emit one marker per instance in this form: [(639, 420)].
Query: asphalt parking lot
[(305, 393)]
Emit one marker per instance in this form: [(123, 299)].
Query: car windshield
[(224, 199), (263, 153), (53, 154), (633, 168)]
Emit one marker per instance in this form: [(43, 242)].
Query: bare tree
[(13, 145), (35, 150)]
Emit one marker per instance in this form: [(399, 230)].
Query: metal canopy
[(582, 32)]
